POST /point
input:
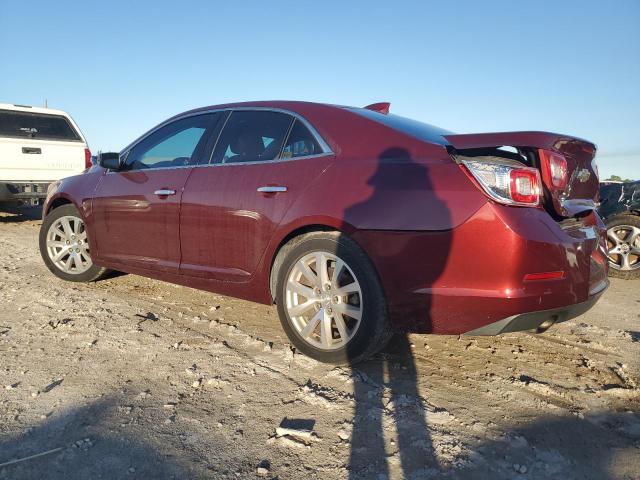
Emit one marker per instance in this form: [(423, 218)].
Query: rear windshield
[(37, 126), (419, 130)]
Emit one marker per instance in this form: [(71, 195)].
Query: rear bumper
[(540, 320), (22, 191), (464, 279)]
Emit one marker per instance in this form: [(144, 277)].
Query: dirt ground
[(134, 378)]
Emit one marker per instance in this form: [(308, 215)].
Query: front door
[(135, 211)]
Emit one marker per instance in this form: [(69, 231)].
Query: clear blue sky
[(121, 67)]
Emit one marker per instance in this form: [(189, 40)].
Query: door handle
[(272, 189), (30, 150), (164, 192)]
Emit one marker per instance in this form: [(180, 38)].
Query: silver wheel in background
[(623, 247), (323, 300), (67, 245)]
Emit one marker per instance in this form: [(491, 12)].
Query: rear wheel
[(330, 301), (623, 246), (65, 248)]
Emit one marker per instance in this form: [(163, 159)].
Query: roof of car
[(30, 109), (293, 105)]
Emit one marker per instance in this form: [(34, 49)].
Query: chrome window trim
[(232, 164), (326, 150)]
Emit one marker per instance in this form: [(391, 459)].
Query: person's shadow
[(395, 399)]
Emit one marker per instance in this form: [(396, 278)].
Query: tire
[(626, 226), (80, 269), (355, 291)]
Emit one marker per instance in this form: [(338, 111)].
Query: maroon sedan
[(354, 221)]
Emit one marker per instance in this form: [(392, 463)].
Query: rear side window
[(300, 143), (36, 126), (174, 145), (252, 136), (419, 130)]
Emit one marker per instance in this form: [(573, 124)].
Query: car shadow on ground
[(17, 214), (562, 447), (90, 448), (90, 442)]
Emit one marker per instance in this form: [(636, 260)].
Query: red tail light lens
[(87, 158), (524, 186), (505, 181), (554, 169)]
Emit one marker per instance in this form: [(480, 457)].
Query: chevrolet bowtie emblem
[(583, 175)]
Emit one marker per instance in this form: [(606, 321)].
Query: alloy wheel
[(323, 300), (67, 245), (623, 247)]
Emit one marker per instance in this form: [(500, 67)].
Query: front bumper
[(540, 320)]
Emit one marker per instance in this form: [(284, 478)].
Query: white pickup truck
[(37, 147)]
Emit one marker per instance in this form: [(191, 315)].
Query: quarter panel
[(391, 193), (451, 282)]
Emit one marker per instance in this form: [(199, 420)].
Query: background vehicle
[(37, 147), (354, 221), (620, 210)]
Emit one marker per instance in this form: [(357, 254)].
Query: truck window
[(36, 126)]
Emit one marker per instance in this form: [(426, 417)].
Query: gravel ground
[(136, 378)]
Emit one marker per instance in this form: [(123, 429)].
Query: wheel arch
[(58, 202), (328, 225)]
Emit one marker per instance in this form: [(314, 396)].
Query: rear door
[(38, 147), (136, 210), (231, 208)]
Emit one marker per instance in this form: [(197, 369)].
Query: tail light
[(554, 169), (505, 181), (87, 158)]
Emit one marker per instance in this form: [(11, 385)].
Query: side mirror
[(110, 160)]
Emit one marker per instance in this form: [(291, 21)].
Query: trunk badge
[(583, 175)]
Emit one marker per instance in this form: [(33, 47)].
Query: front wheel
[(623, 246), (65, 248), (330, 301)]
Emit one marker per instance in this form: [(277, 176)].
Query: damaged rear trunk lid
[(576, 194)]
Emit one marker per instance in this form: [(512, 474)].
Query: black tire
[(624, 220), (374, 330), (91, 274)]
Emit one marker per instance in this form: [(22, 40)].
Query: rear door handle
[(164, 192), (37, 151), (272, 189)]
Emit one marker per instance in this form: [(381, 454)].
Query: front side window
[(177, 144), (252, 136), (36, 126), (300, 143)]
